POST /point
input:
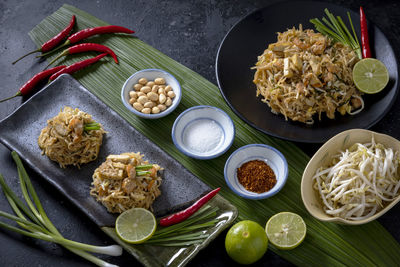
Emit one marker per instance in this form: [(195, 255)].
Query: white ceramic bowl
[(323, 157), (203, 114), (269, 155), (151, 74)]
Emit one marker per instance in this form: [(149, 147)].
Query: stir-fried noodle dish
[(304, 74), (359, 182), (71, 138), (126, 181)]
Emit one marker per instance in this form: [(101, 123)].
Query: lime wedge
[(286, 230), (370, 75), (136, 225)]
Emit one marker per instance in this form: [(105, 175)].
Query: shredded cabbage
[(359, 182)]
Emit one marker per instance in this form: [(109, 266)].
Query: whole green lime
[(246, 242)]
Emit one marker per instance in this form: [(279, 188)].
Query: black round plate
[(250, 37)]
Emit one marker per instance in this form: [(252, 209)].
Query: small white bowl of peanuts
[(151, 93)]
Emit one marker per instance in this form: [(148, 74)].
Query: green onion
[(144, 167), (337, 30), (184, 233), (142, 173), (91, 126), (39, 226)]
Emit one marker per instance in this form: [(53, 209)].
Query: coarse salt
[(203, 135)]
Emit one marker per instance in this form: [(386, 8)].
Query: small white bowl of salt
[(203, 132)]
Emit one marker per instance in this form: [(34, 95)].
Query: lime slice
[(286, 230), (370, 75), (136, 225)]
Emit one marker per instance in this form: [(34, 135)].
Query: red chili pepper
[(366, 51), (184, 214), (29, 85), (85, 33), (53, 42), (84, 48), (77, 66), (59, 37)]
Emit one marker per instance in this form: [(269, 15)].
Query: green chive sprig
[(338, 31)]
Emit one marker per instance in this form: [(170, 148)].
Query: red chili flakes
[(256, 176)]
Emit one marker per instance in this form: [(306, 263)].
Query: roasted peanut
[(152, 96), (142, 99), (171, 94), (150, 84), (159, 81), (137, 86), (162, 107), (155, 110), (148, 104), (154, 88), (162, 98), (168, 102), (145, 89), (132, 94), (137, 106), (146, 110), (142, 81), (168, 88)]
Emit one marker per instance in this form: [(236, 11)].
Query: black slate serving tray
[(20, 131)]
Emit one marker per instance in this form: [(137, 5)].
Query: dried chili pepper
[(85, 33), (366, 50), (53, 42), (85, 48), (184, 214), (29, 85), (77, 66)]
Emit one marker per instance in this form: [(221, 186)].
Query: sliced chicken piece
[(128, 185), (131, 171), (76, 125), (108, 172), (60, 129), (278, 47)]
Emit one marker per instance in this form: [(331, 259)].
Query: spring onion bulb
[(359, 182), (33, 220)]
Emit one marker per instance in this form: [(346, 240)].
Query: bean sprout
[(359, 182)]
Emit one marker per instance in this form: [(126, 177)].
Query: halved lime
[(136, 225), (370, 75), (286, 230)]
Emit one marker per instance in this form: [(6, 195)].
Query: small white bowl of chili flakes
[(256, 171)]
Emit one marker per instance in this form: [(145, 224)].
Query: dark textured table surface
[(187, 31)]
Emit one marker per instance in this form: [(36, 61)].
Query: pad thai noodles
[(126, 181), (304, 75), (359, 182), (71, 138)]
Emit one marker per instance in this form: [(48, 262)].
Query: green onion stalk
[(189, 232), (91, 126), (337, 31), (34, 222)]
